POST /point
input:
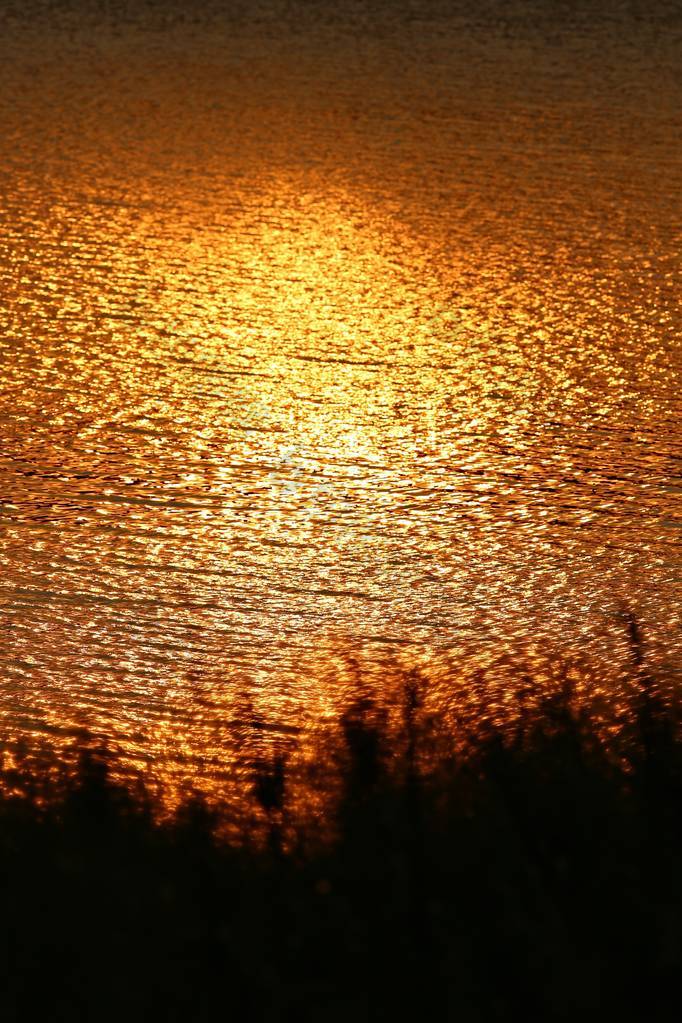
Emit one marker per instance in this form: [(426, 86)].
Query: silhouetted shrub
[(537, 874)]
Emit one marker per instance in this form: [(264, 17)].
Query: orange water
[(345, 327)]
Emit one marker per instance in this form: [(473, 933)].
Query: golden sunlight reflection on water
[(323, 365)]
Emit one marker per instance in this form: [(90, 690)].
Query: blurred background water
[(329, 326)]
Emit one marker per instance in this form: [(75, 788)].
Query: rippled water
[(329, 326)]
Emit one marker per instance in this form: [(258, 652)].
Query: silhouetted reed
[(527, 870)]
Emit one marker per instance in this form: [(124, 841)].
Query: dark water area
[(329, 328)]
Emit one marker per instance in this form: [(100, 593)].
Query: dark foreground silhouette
[(537, 877)]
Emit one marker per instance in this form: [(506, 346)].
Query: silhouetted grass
[(535, 875)]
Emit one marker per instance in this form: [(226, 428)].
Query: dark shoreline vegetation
[(538, 876)]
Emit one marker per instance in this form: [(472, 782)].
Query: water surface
[(329, 327)]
